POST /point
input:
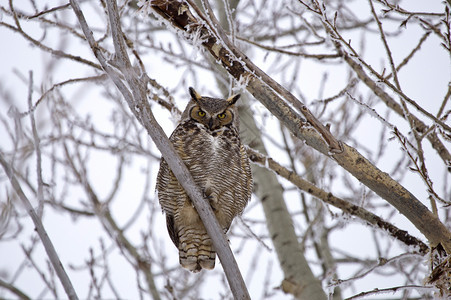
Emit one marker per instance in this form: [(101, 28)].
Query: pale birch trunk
[(299, 279)]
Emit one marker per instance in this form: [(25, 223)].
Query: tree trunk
[(299, 279)]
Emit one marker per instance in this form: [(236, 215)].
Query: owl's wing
[(168, 190), (239, 192), (165, 183), (172, 229), (165, 177), (247, 178)]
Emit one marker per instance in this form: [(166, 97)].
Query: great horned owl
[(207, 141)]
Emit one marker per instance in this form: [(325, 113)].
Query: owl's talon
[(209, 197), (208, 194)]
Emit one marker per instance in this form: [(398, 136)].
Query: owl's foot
[(208, 194)]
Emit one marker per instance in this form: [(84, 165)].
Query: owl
[(207, 141)]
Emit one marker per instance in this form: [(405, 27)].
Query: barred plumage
[(207, 140)]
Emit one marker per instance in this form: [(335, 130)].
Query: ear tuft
[(233, 99), (195, 95)]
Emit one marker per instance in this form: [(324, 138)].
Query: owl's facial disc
[(212, 122)]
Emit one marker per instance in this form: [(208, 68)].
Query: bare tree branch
[(136, 99), (14, 290), (344, 205), (356, 63), (112, 228), (46, 242)]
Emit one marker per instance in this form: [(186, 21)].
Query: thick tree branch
[(344, 205), (136, 99), (179, 16)]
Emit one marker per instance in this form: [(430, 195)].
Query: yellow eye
[(201, 113), (221, 116)]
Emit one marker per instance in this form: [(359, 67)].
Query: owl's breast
[(218, 141), (209, 150), (219, 165)]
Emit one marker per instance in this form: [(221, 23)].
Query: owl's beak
[(210, 124)]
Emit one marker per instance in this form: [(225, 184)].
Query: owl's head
[(214, 113)]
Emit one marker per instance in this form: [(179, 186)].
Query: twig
[(411, 54), (37, 149), (14, 290), (46, 242), (402, 11), (32, 108), (57, 53), (387, 48), (444, 102), (421, 169), (292, 53), (111, 227), (388, 290), (379, 263), (49, 283), (53, 9), (356, 63), (230, 21)]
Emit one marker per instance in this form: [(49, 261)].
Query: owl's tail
[(196, 251)]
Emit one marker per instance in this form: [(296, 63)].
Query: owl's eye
[(221, 116), (201, 113)]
